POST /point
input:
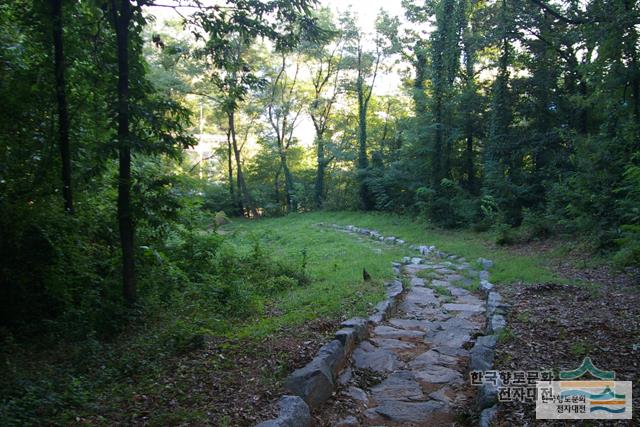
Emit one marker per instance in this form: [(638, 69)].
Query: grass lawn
[(298, 231)]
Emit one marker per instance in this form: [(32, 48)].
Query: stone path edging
[(311, 385)]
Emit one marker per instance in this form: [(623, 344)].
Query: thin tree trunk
[(288, 182), (247, 201), (63, 111), (277, 186), (122, 11), (237, 206), (322, 164)]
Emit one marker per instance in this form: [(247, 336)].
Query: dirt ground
[(554, 326)]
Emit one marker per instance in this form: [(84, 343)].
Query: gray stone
[(394, 288), (359, 325), (456, 324), (313, 382), (441, 396), (488, 416), (486, 286), (417, 282), (345, 376), (471, 299), (408, 412), (451, 351), (413, 269), (376, 318), (484, 275), (426, 250), (482, 353), (451, 338), (400, 242), (496, 324), (439, 375), (416, 260), (292, 412), (454, 277), (495, 304), (400, 385), (437, 282), (433, 357), (389, 332), (349, 421), (463, 307), (406, 260), (348, 338), (357, 394), (487, 395), (485, 263), (376, 359), (419, 325), (390, 239), (388, 305), (392, 344), (333, 354)]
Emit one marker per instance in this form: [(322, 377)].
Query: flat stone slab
[(379, 360), (451, 351), (433, 357), (389, 332), (414, 268), (420, 325), (464, 307), (357, 394), (400, 385), (416, 281), (407, 412), (392, 344), (456, 323), (437, 282), (436, 374), (451, 338)]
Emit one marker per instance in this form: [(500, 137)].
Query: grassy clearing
[(509, 267), (334, 262)]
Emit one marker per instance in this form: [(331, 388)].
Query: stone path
[(413, 368)]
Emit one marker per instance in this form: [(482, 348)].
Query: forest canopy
[(126, 139)]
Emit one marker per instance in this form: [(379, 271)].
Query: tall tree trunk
[(322, 164), (276, 186), (288, 181), (363, 160), (63, 111), (237, 205), (247, 201), (122, 12)]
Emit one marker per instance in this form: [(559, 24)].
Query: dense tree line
[(519, 117), (516, 116)]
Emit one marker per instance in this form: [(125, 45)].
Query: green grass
[(334, 262), (508, 266)]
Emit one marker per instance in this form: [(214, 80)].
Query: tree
[(366, 63), (63, 109), (284, 107), (324, 61), (122, 14)]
